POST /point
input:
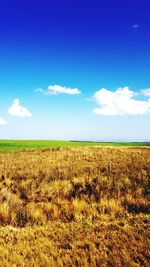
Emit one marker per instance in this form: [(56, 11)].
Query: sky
[(75, 70)]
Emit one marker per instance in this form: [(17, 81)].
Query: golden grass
[(75, 207)]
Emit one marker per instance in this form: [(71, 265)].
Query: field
[(13, 145), (74, 204)]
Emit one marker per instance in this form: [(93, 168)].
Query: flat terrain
[(13, 145), (74, 206)]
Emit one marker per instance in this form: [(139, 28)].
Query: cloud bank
[(2, 122), (17, 110), (120, 102), (146, 92), (58, 89)]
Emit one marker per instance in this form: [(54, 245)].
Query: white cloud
[(58, 89), (120, 102), (145, 92), (2, 122), (17, 110), (40, 90)]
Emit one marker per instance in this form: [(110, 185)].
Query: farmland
[(13, 145), (74, 204)]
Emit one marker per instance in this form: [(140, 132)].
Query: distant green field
[(13, 145)]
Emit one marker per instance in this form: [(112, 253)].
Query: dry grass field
[(81, 206)]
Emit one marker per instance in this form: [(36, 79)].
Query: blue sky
[(75, 70)]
